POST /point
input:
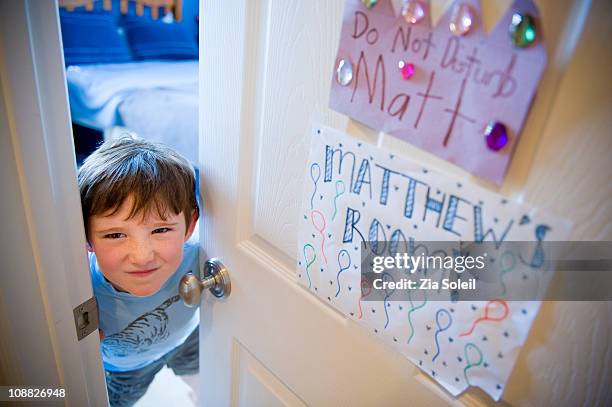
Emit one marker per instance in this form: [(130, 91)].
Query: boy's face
[(138, 255)]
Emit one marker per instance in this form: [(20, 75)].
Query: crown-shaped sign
[(451, 89)]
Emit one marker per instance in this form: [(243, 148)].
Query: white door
[(265, 73)]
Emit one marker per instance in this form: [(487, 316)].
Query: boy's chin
[(139, 290), (144, 291)]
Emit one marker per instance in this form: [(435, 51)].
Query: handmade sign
[(452, 89), (355, 193)]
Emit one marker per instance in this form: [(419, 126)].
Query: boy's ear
[(89, 247), (191, 227)]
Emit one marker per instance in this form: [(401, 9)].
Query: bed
[(133, 72), (157, 100)]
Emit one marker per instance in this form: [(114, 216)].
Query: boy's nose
[(142, 253)]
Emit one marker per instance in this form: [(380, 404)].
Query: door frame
[(37, 302)]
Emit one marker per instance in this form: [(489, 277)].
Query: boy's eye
[(162, 230), (114, 236)]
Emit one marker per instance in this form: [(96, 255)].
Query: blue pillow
[(92, 37), (155, 39)]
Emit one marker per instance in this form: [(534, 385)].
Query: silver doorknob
[(216, 279)]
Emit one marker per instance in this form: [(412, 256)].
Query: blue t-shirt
[(140, 330)]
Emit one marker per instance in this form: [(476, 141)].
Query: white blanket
[(95, 91)]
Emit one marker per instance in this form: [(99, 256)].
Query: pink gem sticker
[(406, 69)]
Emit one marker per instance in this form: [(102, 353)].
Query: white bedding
[(157, 100), (174, 122)]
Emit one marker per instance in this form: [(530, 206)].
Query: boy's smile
[(138, 255)]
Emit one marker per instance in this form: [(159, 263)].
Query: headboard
[(174, 6)]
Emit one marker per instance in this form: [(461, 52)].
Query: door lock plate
[(86, 318)]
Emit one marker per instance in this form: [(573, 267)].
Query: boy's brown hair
[(154, 175)]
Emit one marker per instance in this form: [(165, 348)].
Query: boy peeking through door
[(139, 207)]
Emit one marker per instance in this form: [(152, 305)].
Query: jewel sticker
[(496, 136), (462, 20), (344, 72), (369, 3), (522, 29), (413, 11), (406, 69)]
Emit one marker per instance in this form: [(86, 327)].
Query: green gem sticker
[(369, 3), (522, 29)]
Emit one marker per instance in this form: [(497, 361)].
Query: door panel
[(299, 41), (265, 74), (254, 385)]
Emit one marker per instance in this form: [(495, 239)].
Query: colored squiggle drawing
[(321, 230), (470, 364), (309, 263), (312, 176), (364, 285), (345, 254), (388, 293), (338, 193), (412, 309), (441, 329), (487, 317), (504, 269)]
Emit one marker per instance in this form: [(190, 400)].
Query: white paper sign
[(356, 192)]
